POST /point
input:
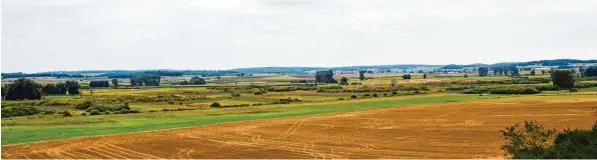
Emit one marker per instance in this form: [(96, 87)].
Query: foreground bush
[(533, 141)]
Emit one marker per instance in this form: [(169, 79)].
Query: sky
[(66, 35)]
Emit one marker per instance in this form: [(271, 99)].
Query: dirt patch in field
[(447, 130)]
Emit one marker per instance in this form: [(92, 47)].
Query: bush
[(367, 95), (385, 94), (15, 111), (394, 93), (94, 112), (127, 111), (84, 114), (374, 95), (532, 141), (49, 111), (66, 114), (353, 97), (547, 88), (84, 105), (215, 104), (585, 85), (235, 94), (341, 99), (573, 90)]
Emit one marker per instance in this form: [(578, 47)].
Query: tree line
[(27, 89)]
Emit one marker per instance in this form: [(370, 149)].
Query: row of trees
[(510, 70), (194, 81), (97, 84), (513, 71), (22, 89), (145, 80)]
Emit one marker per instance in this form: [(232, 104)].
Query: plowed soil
[(447, 130)]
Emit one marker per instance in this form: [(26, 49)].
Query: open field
[(23, 129), (465, 129), (269, 116)]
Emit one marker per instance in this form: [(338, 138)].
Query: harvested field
[(447, 130)]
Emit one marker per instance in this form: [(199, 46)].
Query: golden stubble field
[(448, 130)]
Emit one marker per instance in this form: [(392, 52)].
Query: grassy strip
[(24, 134)]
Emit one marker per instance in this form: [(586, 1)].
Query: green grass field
[(112, 124)]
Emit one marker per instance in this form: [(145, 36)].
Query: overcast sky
[(46, 35)]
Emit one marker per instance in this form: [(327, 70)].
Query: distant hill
[(296, 70)]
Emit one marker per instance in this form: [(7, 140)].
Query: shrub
[(394, 93), (547, 88), (573, 90), (353, 97), (258, 93), (15, 111), (66, 114), (340, 98), (374, 95), (170, 102), (106, 113), (532, 141), (84, 114), (385, 94), (84, 105), (49, 111), (585, 85), (367, 95), (235, 94), (94, 112), (127, 111), (215, 104)]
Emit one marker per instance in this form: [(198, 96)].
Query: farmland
[(270, 115)]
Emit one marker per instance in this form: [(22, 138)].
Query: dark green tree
[(49, 89), (514, 71), (362, 75), (343, 81), (197, 81), (325, 77), (483, 71), (23, 88), (425, 76), (562, 79), (72, 87), (591, 71), (3, 91), (61, 88), (532, 72), (406, 76), (99, 84), (115, 83)]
